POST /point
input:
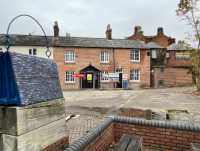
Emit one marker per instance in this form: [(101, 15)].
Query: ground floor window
[(135, 75), (69, 76), (104, 75)]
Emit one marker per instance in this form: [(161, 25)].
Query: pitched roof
[(175, 46), (33, 40), (154, 45)]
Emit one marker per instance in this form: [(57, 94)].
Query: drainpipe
[(114, 65)]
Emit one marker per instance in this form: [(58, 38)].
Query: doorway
[(120, 83), (91, 79)]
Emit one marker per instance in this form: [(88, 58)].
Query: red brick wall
[(181, 76), (159, 39), (169, 139), (87, 55), (171, 61), (102, 141), (59, 145)]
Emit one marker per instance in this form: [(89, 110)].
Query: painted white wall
[(41, 51)]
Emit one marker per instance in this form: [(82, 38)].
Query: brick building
[(167, 66), (159, 39), (94, 57)]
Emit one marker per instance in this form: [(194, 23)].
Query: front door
[(119, 83), (120, 71), (89, 80)]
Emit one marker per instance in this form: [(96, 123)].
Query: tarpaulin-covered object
[(27, 79)]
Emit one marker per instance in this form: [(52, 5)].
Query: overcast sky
[(89, 18)]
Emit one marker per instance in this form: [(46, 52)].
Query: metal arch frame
[(7, 35)]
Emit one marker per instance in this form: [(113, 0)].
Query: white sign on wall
[(124, 76)]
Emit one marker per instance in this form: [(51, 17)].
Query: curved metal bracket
[(9, 43)]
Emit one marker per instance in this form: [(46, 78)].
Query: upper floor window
[(69, 56), (104, 75), (33, 51), (135, 55), (135, 75), (167, 54), (104, 56), (154, 55), (69, 76)]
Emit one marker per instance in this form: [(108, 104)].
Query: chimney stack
[(136, 29), (66, 34), (29, 34), (56, 29), (171, 41), (160, 31), (108, 33)]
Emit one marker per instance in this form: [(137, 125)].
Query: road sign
[(124, 76), (79, 75)]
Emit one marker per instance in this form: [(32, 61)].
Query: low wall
[(159, 134), (97, 139), (60, 145)]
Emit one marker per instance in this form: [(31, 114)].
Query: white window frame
[(104, 79), (1, 48), (167, 56), (73, 81), (132, 73), (155, 54), (32, 51), (104, 56), (72, 55), (132, 52)]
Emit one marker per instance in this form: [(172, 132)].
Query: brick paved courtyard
[(77, 127)]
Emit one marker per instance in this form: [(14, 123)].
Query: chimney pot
[(29, 34), (66, 34), (69, 35)]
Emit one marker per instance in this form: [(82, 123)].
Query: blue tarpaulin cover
[(27, 79)]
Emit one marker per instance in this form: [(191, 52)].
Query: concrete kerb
[(93, 134)]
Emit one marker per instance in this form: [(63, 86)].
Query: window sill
[(69, 83), (105, 81), (105, 63), (134, 61), (70, 62), (135, 81)]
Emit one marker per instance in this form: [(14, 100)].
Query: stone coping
[(84, 141), (156, 123)]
